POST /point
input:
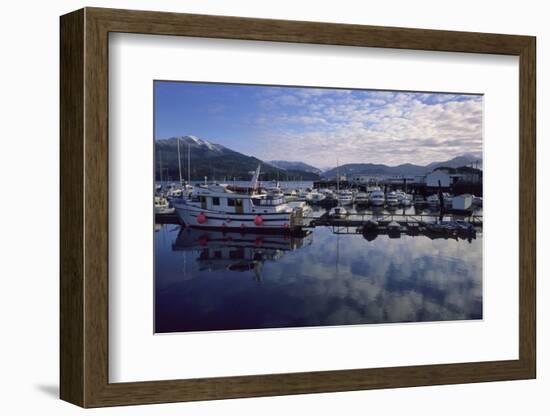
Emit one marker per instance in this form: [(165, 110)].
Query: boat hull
[(378, 202), (206, 219)]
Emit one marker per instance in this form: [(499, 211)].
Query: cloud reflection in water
[(268, 282)]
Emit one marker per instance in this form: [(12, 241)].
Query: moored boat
[(362, 198), (220, 206), (376, 198), (391, 199), (315, 197), (345, 197)]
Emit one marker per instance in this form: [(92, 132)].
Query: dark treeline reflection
[(212, 281)]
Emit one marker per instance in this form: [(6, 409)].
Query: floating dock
[(359, 220)]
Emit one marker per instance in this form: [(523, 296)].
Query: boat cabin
[(223, 199)]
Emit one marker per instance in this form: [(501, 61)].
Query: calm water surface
[(212, 281)]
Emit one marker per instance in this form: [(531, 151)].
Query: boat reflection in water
[(210, 280), (235, 251)]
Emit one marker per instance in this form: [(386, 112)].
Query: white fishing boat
[(377, 198), (221, 206), (391, 199)]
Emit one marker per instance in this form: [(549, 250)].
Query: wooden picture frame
[(84, 207)]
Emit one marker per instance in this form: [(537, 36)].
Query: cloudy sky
[(320, 125)]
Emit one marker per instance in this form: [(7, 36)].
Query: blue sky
[(320, 125)]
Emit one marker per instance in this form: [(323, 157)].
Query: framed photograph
[(255, 207)]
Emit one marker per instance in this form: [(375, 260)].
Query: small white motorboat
[(315, 197), (345, 197), (391, 199), (362, 198), (376, 198)]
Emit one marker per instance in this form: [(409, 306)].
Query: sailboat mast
[(189, 163), (179, 159), (337, 176), (160, 165)]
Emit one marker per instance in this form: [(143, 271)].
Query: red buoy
[(258, 220), (201, 218)]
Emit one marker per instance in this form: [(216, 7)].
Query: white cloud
[(374, 126)]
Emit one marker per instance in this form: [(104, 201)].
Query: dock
[(360, 219), (371, 225)]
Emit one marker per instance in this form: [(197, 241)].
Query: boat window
[(238, 202), (230, 202), (215, 200)]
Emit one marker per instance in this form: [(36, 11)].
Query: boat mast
[(189, 163), (337, 177), (337, 183), (179, 159), (160, 165)]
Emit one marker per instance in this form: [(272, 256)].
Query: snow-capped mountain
[(215, 161)]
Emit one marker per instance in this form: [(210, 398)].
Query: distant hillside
[(464, 160), (215, 161), (288, 165), (372, 168), (404, 169)]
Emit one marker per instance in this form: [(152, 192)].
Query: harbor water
[(211, 281)]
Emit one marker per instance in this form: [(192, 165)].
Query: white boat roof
[(223, 190)]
